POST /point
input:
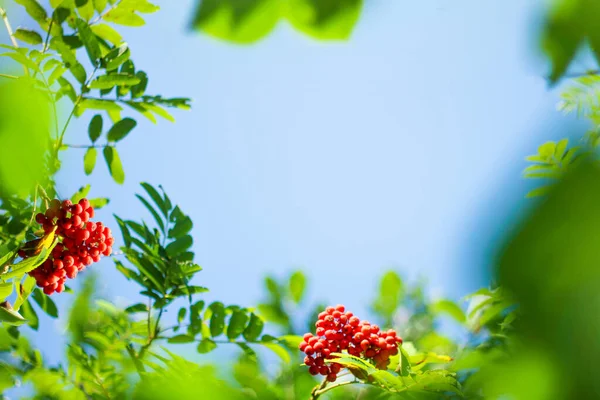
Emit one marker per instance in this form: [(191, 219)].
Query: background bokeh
[(401, 148)]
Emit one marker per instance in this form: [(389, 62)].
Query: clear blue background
[(401, 148)]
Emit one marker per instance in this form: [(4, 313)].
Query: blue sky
[(401, 148)]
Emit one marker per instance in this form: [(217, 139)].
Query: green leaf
[(108, 33), (98, 104), (28, 36), (179, 246), (125, 17), (217, 320), (206, 346), (112, 80), (89, 41), (181, 315), (11, 317), (95, 128), (114, 164), (119, 130), (292, 341), (138, 91), (450, 308), (29, 264), (136, 308), (89, 160), (237, 22), (254, 328), (34, 9), (181, 339), (81, 193), (404, 365), (23, 291), (156, 198), (99, 202), (152, 211), (143, 6), (100, 5), (6, 290), (30, 315), (297, 285), (324, 19), (7, 251), (117, 56), (86, 9), (182, 227), (237, 324), (279, 350), (391, 291), (45, 303)]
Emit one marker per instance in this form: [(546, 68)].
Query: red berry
[(48, 290), (66, 204), (323, 370), (76, 209), (84, 203), (331, 377), (308, 360), (329, 310), (82, 235), (90, 212), (76, 220), (40, 218), (85, 216), (313, 370)]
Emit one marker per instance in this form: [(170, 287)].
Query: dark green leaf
[(237, 324), (179, 245), (139, 307), (119, 130), (217, 320), (30, 315), (89, 41), (117, 56), (155, 196), (152, 211), (182, 227), (45, 303), (254, 328), (95, 127)]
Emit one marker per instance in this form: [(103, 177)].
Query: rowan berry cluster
[(82, 242), (338, 330)]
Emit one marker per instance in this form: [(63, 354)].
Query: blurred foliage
[(247, 21), (532, 337)]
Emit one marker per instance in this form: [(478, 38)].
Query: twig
[(8, 27), (323, 388)]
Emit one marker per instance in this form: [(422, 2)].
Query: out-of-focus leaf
[(206, 346), (6, 290), (28, 36), (297, 284), (450, 308), (181, 339), (324, 19), (239, 22)]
